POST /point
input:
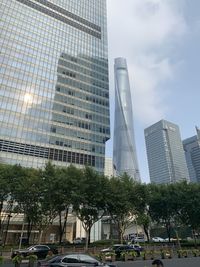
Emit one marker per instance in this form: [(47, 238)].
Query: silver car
[(73, 260)]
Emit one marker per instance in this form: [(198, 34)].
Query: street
[(183, 262)]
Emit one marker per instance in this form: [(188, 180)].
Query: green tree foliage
[(120, 203), (26, 190), (5, 188), (188, 199), (163, 205), (58, 188), (141, 199), (43, 195), (89, 199)]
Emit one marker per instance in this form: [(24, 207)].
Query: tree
[(89, 199), (140, 202), (5, 196), (189, 205), (67, 181), (26, 190), (119, 203), (163, 205)]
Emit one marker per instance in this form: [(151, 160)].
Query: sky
[(160, 40)]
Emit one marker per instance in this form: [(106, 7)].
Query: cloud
[(145, 32)]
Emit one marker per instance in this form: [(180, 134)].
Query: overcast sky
[(161, 41)]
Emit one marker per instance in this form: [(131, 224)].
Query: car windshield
[(31, 248)]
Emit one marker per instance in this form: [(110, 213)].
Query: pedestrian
[(157, 263)]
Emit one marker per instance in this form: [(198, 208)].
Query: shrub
[(195, 252), (144, 255), (1, 260), (17, 260), (32, 257)]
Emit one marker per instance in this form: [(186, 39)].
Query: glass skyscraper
[(165, 153), (124, 148), (192, 154), (54, 95)]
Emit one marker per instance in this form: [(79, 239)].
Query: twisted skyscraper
[(124, 150)]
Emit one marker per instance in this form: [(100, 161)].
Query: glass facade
[(192, 154), (124, 148), (165, 153), (54, 95)]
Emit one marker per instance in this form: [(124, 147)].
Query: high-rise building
[(192, 154), (124, 148), (165, 153), (108, 171), (54, 95)]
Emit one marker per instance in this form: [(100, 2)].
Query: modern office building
[(165, 153), (124, 148), (54, 97), (109, 170), (192, 154)]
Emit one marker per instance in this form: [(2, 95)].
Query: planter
[(168, 254), (179, 253), (162, 254), (108, 257), (17, 260), (32, 259), (152, 254), (185, 253), (1, 260), (113, 257), (144, 255), (195, 253), (129, 256)]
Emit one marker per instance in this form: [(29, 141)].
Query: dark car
[(118, 249), (40, 250), (79, 240), (72, 260)]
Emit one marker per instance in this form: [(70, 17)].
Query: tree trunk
[(89, 234), (1, 207), (168, 229), (87, 239), (62, 227), (40, 236), (29, 229), (146, 232), (195, 238)]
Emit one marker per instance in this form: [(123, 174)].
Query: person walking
[(157, 263)]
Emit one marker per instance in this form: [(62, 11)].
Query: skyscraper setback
[(165, 153), (124, 148), (54, 95)]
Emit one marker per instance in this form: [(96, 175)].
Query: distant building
[(192, 154), (124, 148), (108, 170), (165, 153)]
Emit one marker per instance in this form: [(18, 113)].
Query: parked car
[(113, 248), (158, 239), (40, 250), (72, 260), (79, 240), (119, 248), (138, 239)]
